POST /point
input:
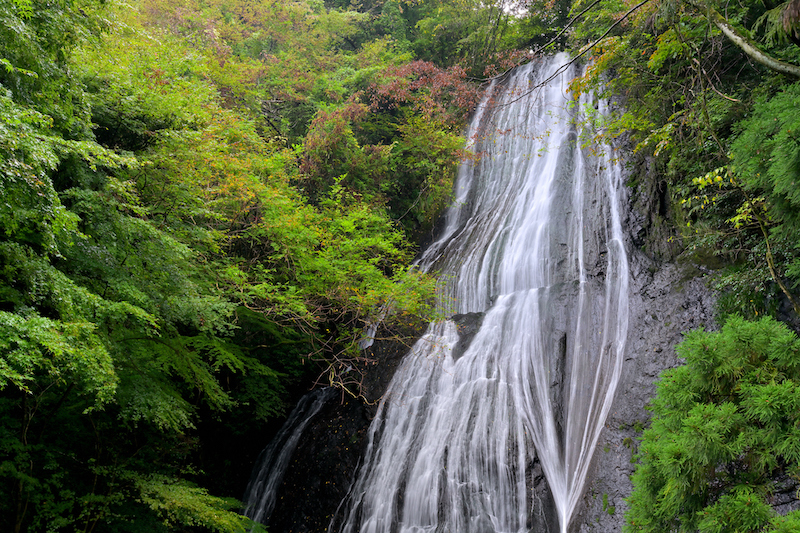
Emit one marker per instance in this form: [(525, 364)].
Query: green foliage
[(686, 114), (328, 269), (745, 290), (414, 174), (610, 509), (331, 151), (766, 155), (140, 87), (35, 44), (199, 215), (31, 212), (29, 150), (724, 428), (424, 162), (460, 29), (750, 206), (38, 349), (181, 503)]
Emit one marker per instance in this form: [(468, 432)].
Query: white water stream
[(272, 463), (534, 243)]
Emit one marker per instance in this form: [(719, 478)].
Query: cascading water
[(533, 242), (259, 498)]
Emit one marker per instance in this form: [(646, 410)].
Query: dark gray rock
[(327, 456), (784, 498), (666, 300), (467, 325)]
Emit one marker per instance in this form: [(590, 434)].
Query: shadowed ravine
[(534, 242)]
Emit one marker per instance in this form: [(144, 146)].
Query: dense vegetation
[(718, 128), (724, 435), (204, 202)]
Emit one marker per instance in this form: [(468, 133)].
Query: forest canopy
[(205, 201)]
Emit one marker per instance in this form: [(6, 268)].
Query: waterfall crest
[(533, 242)]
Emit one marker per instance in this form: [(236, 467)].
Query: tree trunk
[(745, 44)]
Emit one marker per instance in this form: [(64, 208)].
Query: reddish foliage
[(506, 60), (330, 145), (445, 94), (328, 127)]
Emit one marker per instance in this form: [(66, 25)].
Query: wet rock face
[(666, 300), (321, 469), (327, 456), (467, 326), (784, 495), (544, 518)]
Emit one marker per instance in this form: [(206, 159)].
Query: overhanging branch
[(747, 46)]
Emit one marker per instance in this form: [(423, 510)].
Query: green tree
[(36, 41), (724, 433), (766, 157), (178, 249)]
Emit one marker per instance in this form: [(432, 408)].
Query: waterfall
[(533, 246), (259, 498)]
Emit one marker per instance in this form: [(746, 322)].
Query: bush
[(725, 429)]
